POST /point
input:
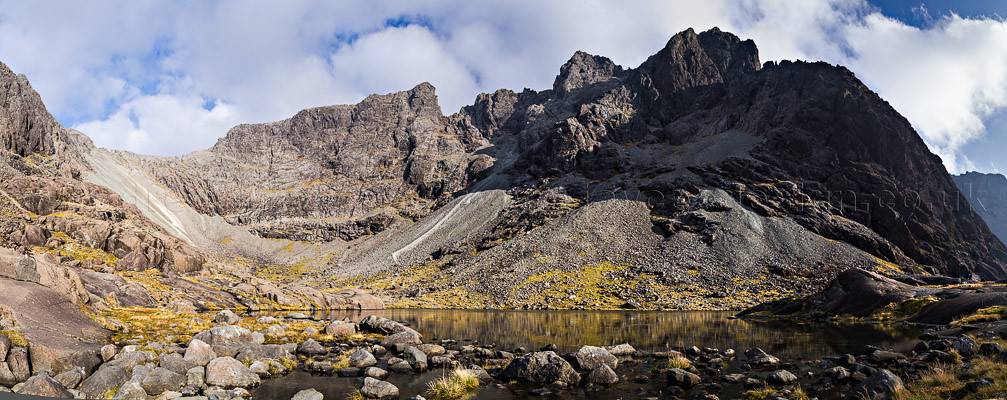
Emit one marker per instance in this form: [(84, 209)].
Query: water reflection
[(652, 331), (645, 330)]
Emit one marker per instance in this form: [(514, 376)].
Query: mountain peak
[(26, 126), (583, 69)]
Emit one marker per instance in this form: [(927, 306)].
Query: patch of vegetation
[(151, 280), (760, 394), (988, 314), (453, 298), (679, 362), (903, 310), (885, 267), (456, 385), (144, 325), (948, 381), (16, 338), (76, 251), (355, 395)]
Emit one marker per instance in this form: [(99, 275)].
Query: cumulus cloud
[(139, 75)]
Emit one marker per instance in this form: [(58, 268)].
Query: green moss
[(16, 338)]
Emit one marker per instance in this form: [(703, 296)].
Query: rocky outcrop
[(987, 193), (25, 125)]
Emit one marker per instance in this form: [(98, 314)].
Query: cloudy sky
[(171, 77)]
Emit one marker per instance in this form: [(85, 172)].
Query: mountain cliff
[(987, 193), (701, 178)]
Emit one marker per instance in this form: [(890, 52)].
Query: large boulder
[(362, 359), (881, 385), (340, 328), (682, 378), (590, 358), (19, 364), (199, 353), (227, 335), (161, 380), (44, 386), (542, 367), (227, 372), (104, 381), (378, 389)]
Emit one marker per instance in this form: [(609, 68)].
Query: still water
[(645, 330)]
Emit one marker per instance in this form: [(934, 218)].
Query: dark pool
[(645, 330)]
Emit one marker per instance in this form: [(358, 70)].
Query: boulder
[(105, 380), (603, 375), (70, 379), (6, 376), (108, 351), (226, 335), (19, 363), (174, 362), (682, 378), (405, 337), (199, 353), (375, 372), (196, 377), (542, 367), (781, 378), (362, 359), (591, 357), (372, 323), (340, 328), (881, 385), (227, 372), (758, 358), (184, 307), (621, 350), (5, 346), (416, 357), (226, 317), (44, 386), (432, 349), (308, 394), (131, 390), (161, 380), (311, 347), (378, 389)]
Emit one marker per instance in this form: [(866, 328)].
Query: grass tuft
[(457, 385), (679, 362)]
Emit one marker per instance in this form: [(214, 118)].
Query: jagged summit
[(26, 126)]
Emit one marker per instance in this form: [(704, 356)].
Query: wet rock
[(348, 372), (340, 328), (837, 373), (199, 353), (964, 345), (229, 373), (883, 356), (378, 389), (682, 378), (161, 380), (376, 373), (621, 350), (432, 349), (881, 385), (399, 365), (416, 357), (591, 357), (405, 337), (541, 367), (758, 358), (226, 317), (308, 394), (734, 378), (311, 347), (44, 386), (362, 359), (781, 378), (603, 375)]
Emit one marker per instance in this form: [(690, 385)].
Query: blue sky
[(169, 78)]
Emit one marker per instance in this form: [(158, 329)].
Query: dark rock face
[(987, 193)]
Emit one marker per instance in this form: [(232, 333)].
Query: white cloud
[(96, 66), (162, 124)]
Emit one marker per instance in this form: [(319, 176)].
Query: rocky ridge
[(987, 193)]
